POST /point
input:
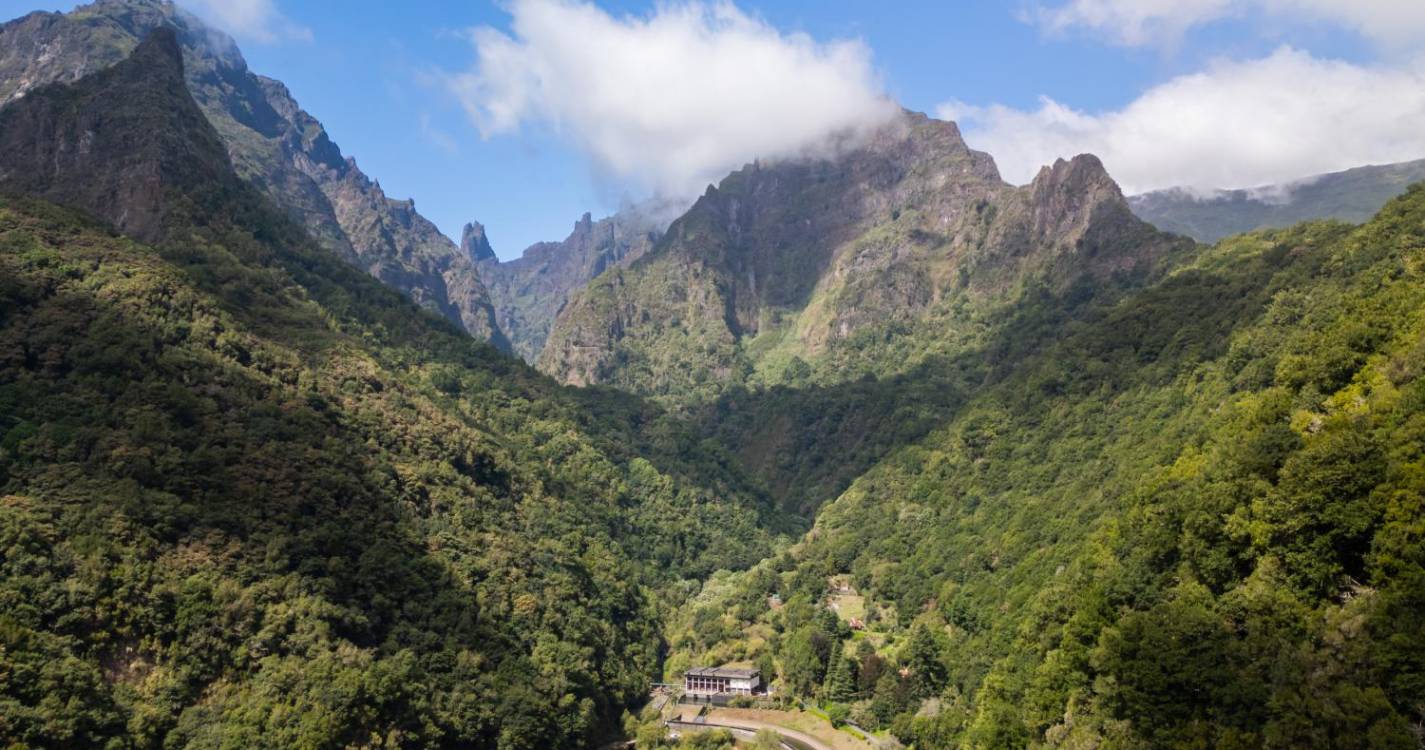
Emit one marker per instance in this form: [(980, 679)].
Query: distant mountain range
[(1354, 195)]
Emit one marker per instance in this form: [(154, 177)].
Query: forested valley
[(951, 463)]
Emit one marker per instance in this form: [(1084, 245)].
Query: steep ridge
[(784, 262), (249, 496), (1354, 195), (529, 292), (1186, 515), (126, 144), (272, 141)]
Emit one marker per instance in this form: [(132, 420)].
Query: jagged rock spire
[(476, 244)]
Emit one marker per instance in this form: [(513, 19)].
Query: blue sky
[(376, 73)]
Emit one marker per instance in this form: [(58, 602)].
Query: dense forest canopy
[(1188, 516), (1062, 481), (253, 497)]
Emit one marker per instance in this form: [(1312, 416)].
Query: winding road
[(748, 730)]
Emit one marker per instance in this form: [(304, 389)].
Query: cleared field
[(849, 606)]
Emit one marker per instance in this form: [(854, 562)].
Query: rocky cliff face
[(475, 245), (127, 145), (272, 142), (793, 258), (529, 292)]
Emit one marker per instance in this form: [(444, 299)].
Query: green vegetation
[(252, 497), (249, 496), (1188, 516)]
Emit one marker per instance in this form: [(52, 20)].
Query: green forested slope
[(253, 498), (1190, 516), (1116, 494), (285, 152)]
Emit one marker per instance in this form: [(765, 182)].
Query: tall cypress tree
[(840, 685), (927, 670)]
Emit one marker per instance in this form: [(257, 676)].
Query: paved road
[(794, 738)]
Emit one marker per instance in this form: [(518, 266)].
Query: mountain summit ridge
[(127, 144), (530, 291), (273, 143), (815, 251)]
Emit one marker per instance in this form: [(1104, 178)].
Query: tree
[(1169, 666), (892, 696), (928, 674), (804, 659), (840, 684), (767, 667), (651, 736), (869, 670)]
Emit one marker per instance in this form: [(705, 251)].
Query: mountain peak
[(111, 7), (1067, 194), (476, 244), (118, 144), (1084, 172), (818, 249), (160, 51)]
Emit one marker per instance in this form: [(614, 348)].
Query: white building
[(721, 681)]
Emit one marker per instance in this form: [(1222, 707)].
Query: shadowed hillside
[(252, 496)]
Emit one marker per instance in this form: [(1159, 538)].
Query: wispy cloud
[(1235, 124), (255, 20), (437, 137), (1149, 22), (672, 100)]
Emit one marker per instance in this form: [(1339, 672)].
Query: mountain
[(252, 497), (529, 292), (1187, 514), (127, 144), (272, 141), (475, 244), (1354, 195), (786, 263), (966, 464)]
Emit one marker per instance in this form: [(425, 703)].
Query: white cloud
[(1235, 124), (1144, 22), (673, 100), (257, 20), (1394, 22)]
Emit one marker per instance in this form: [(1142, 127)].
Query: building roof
[(727, 672)]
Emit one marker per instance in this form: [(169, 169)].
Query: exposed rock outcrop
[(475, 245), (272, 142), (529, 292), (127, 145), (811, 252)]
